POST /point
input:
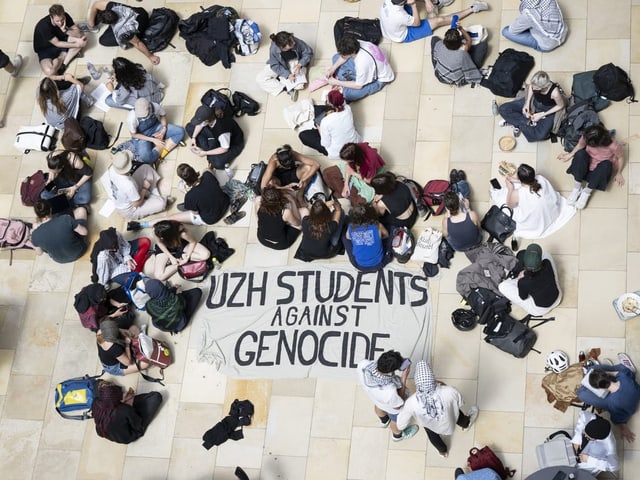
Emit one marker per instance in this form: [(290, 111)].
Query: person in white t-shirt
[(359, 67), (400, 21), (387, 390), (436, 407), (135, 195), (337, 128)]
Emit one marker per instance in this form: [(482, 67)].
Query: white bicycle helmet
[(557, 361)]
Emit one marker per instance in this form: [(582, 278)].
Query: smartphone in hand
[(495, 183)]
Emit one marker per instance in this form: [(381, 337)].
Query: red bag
[(485, 458), (433, 195), (195, 271), (32, 187)]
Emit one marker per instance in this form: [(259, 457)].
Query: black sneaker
[(84, 80), (133, 226), (181, 207), (453, 177), (61, 69), (458, 472), (234, 217)]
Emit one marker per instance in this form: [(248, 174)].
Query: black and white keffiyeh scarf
[(426, 390), (547, 14), (373, 378)]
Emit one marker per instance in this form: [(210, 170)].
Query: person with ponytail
[(538, 209), (288, 60), (337, 128)]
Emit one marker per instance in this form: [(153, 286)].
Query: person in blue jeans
[(624, 392), (68, 174), (400, 20), (539, 26), (360, 68), (153, 137)]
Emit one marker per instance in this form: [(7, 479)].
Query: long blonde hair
[(49, 91)]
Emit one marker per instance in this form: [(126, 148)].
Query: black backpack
[(163, 25), (613, 83), (96, 136), (511, 335), (508, 73), (244, 104), (583, 88), (220, 96), (486, 304), (361, 28), (580, 116)]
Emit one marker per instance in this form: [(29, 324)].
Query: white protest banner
[(311, 321)]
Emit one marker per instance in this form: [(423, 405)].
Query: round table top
[(550, 472)]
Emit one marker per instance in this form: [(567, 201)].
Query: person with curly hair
[(129, 82)]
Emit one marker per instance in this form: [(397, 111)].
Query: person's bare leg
[(50, 66), (445, 20)]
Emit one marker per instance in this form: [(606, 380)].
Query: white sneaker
[(573, 196), (503, 123), (479, 6), (624, 359), (582, 200), (473, 414), (17, 65), (408, 432)]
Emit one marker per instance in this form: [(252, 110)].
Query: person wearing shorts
[(400, 21), (57, 41), (387, 390)]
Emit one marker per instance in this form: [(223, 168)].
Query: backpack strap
[(117, 136), (148, 378)]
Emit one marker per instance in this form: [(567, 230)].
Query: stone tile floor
[(320, 428)]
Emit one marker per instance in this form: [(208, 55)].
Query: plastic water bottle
[(454, 22), (228, 171)]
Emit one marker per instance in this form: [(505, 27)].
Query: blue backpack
[(76, 395)]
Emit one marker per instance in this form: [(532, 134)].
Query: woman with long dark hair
[(129, 82), (59, 98), (538, 209), (594, 161), (365, 240), (175, 247), (279, 218), (68, 174), (321, 231)]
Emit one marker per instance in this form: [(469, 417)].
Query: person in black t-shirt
[(536, 288), (321, 231), (63, 237), (215, 135), (205, 203), (57, 41)]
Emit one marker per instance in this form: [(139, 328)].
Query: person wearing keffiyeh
[(539, 26), (387, 390), (436, 407)]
